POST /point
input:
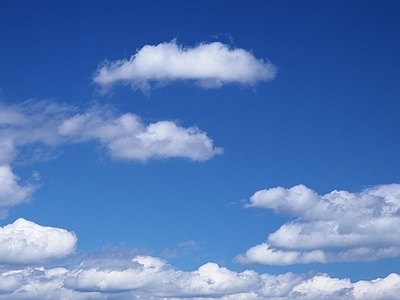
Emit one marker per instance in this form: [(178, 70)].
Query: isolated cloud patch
[(24, 242), (34, 128), (209, 65), (126, 137), (338, 226)]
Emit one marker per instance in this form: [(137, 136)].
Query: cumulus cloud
[(127, 137), (209, 65), (338, 226), (44, 125), (24, 242), (147, 277)]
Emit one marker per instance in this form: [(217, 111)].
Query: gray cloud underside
[(338, 226), (210, 65)]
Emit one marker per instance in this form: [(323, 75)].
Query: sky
[(199, 150)]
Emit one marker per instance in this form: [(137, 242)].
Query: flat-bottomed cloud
[(210, 65), (25, 242), (339, 226)]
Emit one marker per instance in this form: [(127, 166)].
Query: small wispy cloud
[(11, 191), (339, 226), (209, 65)]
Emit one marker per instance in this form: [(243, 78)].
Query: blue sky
[(228, 150)]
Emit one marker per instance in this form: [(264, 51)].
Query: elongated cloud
[(43, 125), (25, 242), (126, 137), (209, 65), (147, 277), (339, 226), (33, 130)]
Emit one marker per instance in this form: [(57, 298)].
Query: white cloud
[(146, 277), (127, 137), (47, 124), (32, 130), (12, 193), (25, 242), (39, 283), (338, 226), (30, 123), (209, 65)]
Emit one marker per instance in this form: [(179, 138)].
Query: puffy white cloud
[(40, 283), (24, 242), (210, 65), (267, 255), (155, 276), (47, 124), (126, 137), (381, 288), (146, 277), (338, 226)]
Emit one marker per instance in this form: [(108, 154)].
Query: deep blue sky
[(329, 120)]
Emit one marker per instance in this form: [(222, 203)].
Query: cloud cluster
[(121, 274), (209, 65), (338, 226), (25, 242), (146, 277), (31, 131)]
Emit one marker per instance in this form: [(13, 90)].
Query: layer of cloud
[(146, 277), (25, 242), (125, 274), (209, 65), (338, 226)]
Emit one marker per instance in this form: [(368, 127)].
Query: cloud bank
[(147, 277), (337, 227), (120, 274), (45, 124), (25, 242), (209, 65)]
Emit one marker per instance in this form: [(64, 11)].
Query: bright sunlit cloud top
[(210, 65), (339, 226)]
